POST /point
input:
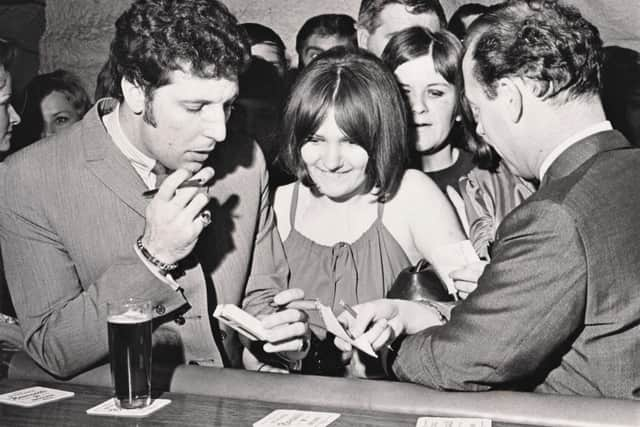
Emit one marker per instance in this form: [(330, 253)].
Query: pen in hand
[(301, 304), (354, 314)]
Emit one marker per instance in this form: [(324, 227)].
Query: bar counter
[(214, 396)]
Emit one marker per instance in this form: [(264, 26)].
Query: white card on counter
[(34, 396), (452, 422), (109, 408), (331, 323), (293, 418)]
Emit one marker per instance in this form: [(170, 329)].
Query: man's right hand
[(383, 320), (173, 217)]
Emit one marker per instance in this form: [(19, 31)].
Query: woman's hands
[(381, 322), (288, 335), (288, 328)]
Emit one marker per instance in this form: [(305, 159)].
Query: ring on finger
[(306, 343), (205, 217)]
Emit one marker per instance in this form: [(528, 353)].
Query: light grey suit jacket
[(558, 308), (71, 210)]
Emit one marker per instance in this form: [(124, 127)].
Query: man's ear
[(133, 95), (363, 36), (510, 96)]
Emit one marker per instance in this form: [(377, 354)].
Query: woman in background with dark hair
[(355, 218), (426, 66), (52, 102)]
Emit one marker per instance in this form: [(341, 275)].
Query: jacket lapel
[(107, 162), (580, 152)]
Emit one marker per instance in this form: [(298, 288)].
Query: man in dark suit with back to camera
[(557, 309), (77, 231)]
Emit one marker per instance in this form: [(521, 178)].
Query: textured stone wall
[(77, 36), (617, 20), (78, 32)]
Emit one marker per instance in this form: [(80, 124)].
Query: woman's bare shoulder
[(283, 194), (282, 206), (416, 184)]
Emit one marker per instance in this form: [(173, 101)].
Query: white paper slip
[(448, 258), (34, 396), (109, 408), (293, 418), (452, 422), (241, 321), (333, 326)]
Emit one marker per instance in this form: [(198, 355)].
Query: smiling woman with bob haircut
[(356, 217)]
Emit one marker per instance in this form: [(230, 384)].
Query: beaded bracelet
[(165, 268)]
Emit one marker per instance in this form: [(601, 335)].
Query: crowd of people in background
[(399, 134)]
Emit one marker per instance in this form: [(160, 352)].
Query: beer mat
[(34, 396), (293, 418), (109, 409), (452, 422)]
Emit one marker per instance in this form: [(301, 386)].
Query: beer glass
[(129, 324)]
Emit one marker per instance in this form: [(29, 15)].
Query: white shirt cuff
[(168, 279)]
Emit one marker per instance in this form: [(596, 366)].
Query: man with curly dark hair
[(557, 309), (79, 227)]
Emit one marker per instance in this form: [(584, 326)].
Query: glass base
[(137, 403)]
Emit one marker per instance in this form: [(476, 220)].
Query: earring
[(458, 118)]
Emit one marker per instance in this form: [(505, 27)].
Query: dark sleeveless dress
[(353, 272)]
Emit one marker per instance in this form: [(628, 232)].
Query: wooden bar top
[(184, 410), (240, 390)]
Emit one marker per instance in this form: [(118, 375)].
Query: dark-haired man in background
[(77, 231), (323, 32), (557, 310), (379, 20)]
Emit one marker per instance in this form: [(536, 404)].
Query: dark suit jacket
[(71, 208), (558, 308)]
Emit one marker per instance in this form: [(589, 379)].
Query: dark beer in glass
[(129, 325)]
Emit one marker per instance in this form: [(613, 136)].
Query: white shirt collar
[(142, 163), (577, 137)]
